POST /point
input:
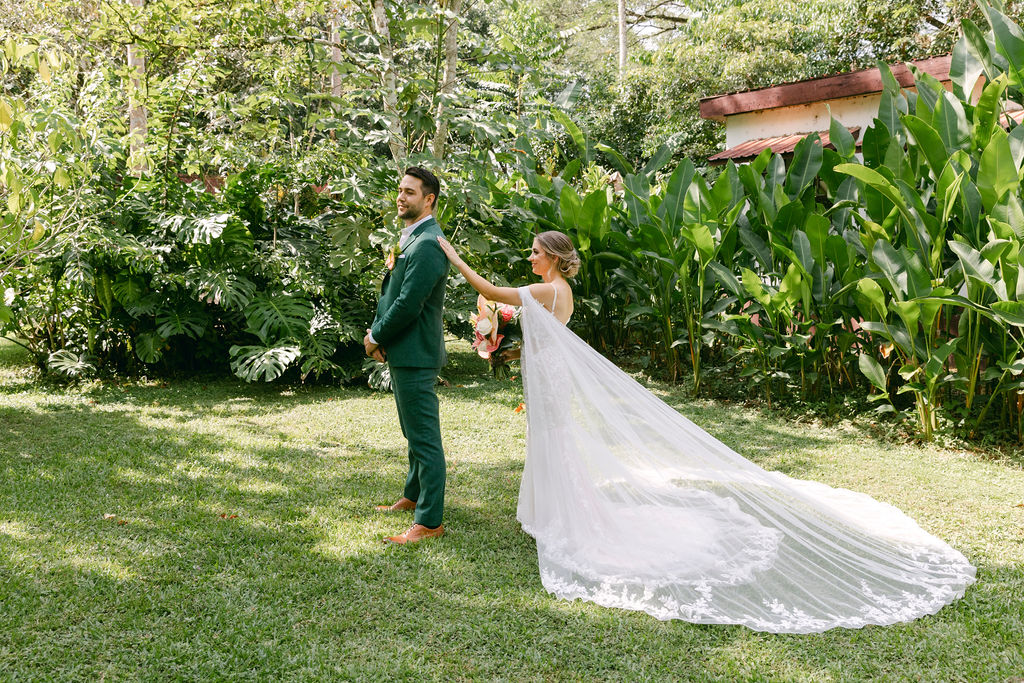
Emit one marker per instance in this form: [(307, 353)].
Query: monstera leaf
[(379, 377), (252, 363), (221, 288), (149, 347), (316, 355), (129, 289), (70, 364), (175, 321), (274, 315)]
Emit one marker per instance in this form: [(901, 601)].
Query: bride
[(634, 506)]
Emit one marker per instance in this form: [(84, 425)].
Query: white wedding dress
[(634, 506)]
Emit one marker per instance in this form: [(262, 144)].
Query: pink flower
[(506, 312), (486, 324), (485, 346)]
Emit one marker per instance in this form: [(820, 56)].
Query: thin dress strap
[(555, 300)]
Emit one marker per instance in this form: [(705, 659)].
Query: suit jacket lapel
[(420, 229)]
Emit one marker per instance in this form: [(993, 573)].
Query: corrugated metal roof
[(782, 144)]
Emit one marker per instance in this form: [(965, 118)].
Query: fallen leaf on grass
[(519, 408), (122, 522), (109, 516)]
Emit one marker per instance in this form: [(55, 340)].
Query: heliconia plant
[(889, 267), (894, 266)]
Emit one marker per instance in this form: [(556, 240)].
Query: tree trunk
[(136, 105), (451, 61), (336, 56), (389, 81), (622, 40)]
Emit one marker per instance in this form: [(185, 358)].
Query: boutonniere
[(393, 253)]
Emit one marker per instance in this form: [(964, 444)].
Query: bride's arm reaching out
[(505, 295)]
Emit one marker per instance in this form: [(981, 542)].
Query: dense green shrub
[(898, 269), (894, 271)]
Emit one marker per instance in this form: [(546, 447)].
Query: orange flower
[(392, 256)]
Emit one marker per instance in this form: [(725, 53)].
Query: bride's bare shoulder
[(541, 291), (560, 305), (545, 291)]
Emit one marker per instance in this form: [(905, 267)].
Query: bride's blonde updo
[(558, 245)]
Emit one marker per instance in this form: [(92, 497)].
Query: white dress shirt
[(407, 230)]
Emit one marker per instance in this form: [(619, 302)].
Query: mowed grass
[(221, 531)]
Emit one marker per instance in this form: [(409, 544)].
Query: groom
[(407, 333)]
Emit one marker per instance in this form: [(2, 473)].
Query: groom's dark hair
[(431, 185)]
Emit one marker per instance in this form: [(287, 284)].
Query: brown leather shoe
[(415, 534), (401, 505)]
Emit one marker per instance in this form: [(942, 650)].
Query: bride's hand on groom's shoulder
[(448, 249)]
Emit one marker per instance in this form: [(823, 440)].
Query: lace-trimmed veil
[(634, 506)]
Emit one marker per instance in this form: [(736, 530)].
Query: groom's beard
[(407, 214), (412, 212)]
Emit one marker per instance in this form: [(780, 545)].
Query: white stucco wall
[(806, 118), (803, 118)]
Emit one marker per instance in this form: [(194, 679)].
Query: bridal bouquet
[(496, 328)]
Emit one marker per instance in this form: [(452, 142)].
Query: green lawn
[(249, 549)]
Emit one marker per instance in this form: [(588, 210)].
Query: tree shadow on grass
[(247, 554), (242, 556), (14, 388), (186, 400)]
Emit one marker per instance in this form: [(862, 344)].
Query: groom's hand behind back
[(373, 350)]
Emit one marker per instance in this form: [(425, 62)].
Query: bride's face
[(539, 259)]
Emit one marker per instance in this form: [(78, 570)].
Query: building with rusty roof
[(778, 117)]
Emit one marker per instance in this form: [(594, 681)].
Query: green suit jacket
[(408, 322)]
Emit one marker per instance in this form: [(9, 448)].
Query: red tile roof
[(782, 144), (861, 82), (1017, 115)]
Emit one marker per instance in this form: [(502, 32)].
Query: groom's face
[(411, 202)]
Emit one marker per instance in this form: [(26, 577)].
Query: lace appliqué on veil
[(634, 506)]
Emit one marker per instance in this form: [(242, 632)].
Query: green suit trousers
[(418, 414)]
